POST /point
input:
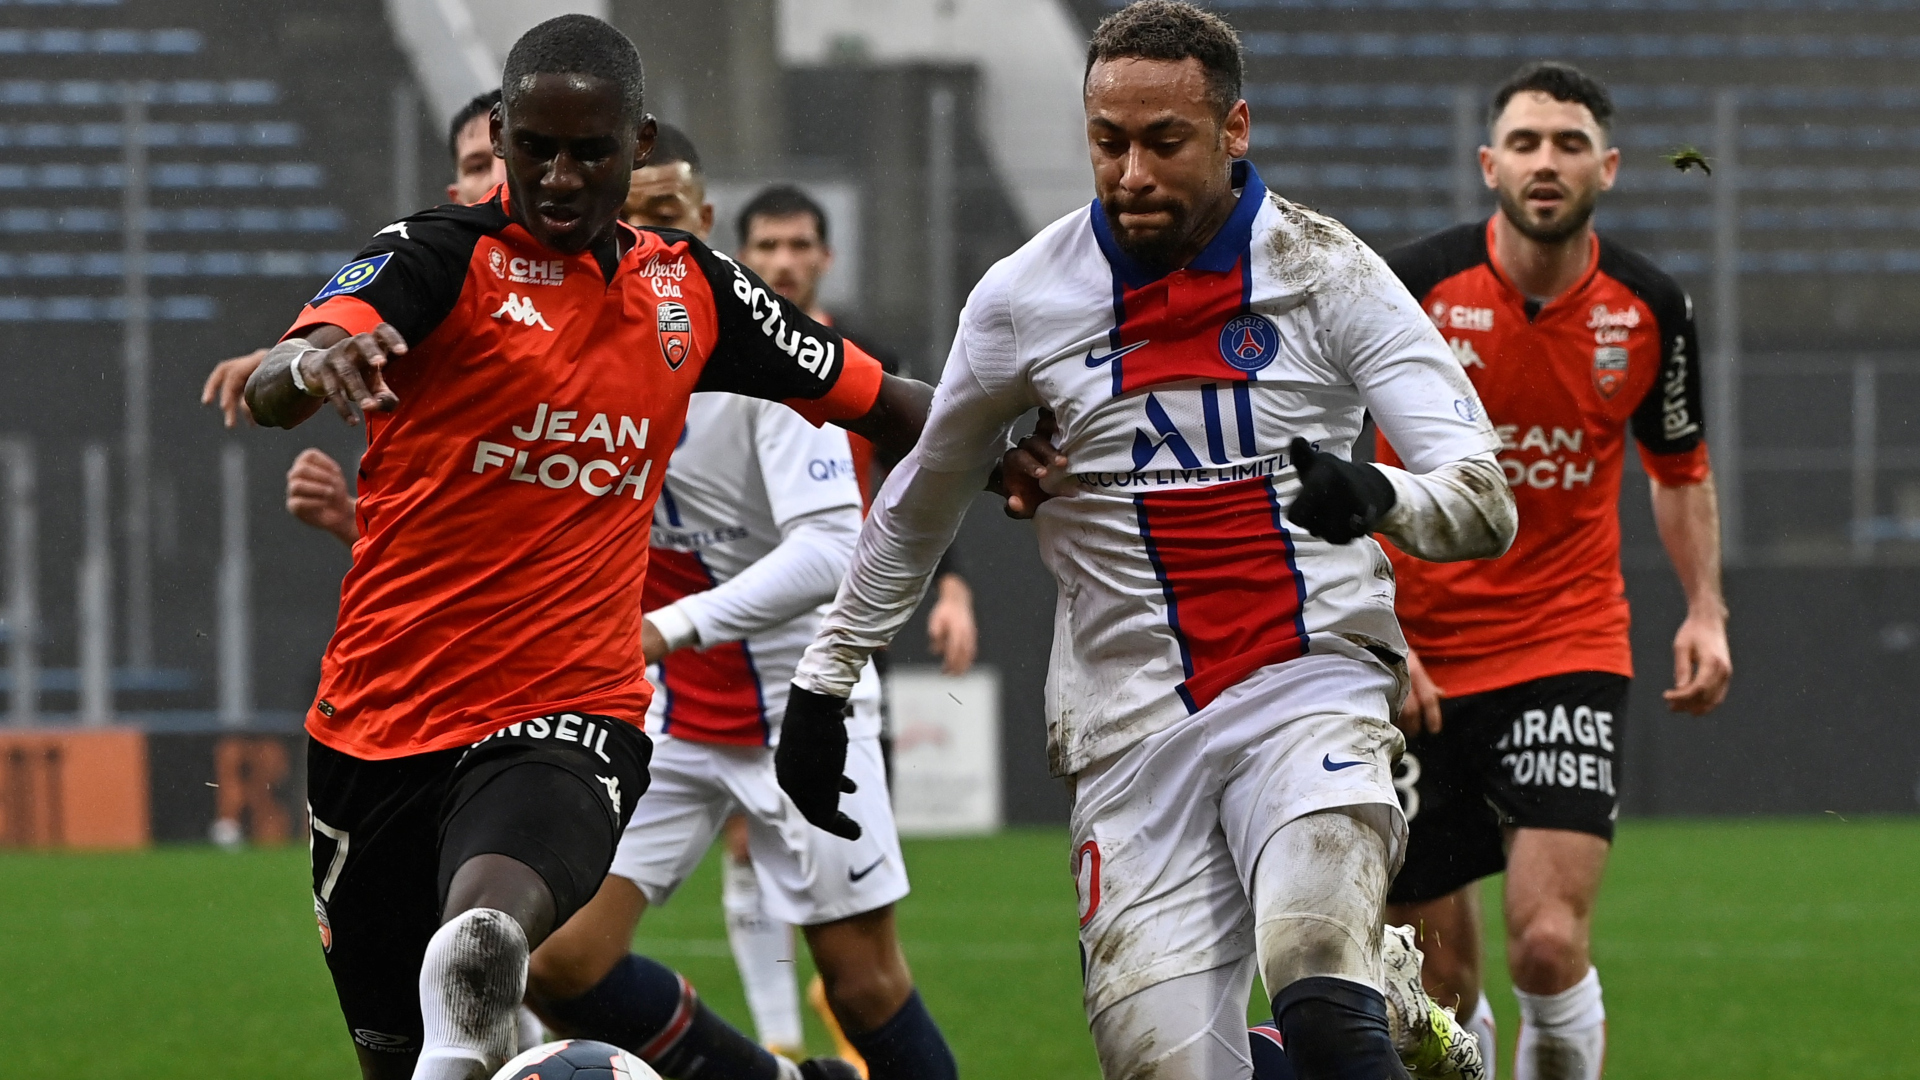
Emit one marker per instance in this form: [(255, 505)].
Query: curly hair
[(1171, 30)]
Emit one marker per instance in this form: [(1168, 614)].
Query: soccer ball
[(576, 1059)]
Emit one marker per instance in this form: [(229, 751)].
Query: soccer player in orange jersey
[(1521, 665), (476, 748)]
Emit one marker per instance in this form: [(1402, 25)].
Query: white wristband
[(294, 370), (675, 625)]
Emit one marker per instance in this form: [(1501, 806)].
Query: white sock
[(1563, 1036), (471, 983), (763, 951), (532, 1031), (1480, 1023)]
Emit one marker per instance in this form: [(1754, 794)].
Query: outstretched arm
[(332, 366), (912, 521), (1688, 517)]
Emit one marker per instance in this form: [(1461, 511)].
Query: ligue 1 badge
[(353, 277), (676, 333), (1249, 342), (1609, 369)]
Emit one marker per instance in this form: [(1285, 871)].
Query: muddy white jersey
[(751, 536), (1177, 394)]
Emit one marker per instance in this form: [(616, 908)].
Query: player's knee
[(866, 996), (1547, 950)]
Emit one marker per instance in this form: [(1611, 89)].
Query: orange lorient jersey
[(1563, 383), (506, 503)]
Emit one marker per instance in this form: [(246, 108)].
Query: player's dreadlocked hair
[(1559, 81), (671, 145), (481, 105), (1171, 30), (576, 45), (781, 201)]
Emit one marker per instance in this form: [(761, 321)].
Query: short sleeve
[(409, 275), (1670, 423), (768, 348)]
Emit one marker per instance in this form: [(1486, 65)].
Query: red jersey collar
[(1579, 286)]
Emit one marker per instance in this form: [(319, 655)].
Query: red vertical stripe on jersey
[(1234, 597), (713, 694), (1175, 323)]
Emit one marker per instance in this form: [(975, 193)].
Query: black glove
[(1339, 501), (812, 759)]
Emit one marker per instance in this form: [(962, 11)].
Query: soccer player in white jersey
[(1226, 658)]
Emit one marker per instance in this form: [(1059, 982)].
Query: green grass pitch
[(1749, 949)]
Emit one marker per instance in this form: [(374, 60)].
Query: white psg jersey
[(744, 471), (1177, 396)]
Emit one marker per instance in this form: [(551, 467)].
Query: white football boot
[(1431, 1044)]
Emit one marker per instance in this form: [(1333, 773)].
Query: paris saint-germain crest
[(1249, 342)]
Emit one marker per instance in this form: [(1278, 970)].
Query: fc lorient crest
[(1609, 369), (676, 333)]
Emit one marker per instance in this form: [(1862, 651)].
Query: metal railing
[(96, 679), (1864, 457)]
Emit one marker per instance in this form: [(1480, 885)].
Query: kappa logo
[(676, 332), (612, 784), (515, 309), (397, 227), (1249, 343), (1465, 353)]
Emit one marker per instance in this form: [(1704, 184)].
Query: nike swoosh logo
[(1095, 361), (1327, 763), (856, 875)]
